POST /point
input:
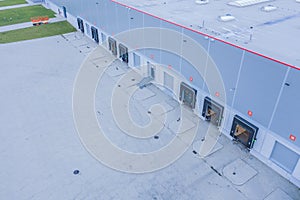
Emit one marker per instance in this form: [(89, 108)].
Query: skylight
[(243, 3)]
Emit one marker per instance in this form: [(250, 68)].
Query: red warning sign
[(292, 137), (250, 113)]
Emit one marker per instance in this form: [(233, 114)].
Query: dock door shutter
[(95, 35), (80, 25)]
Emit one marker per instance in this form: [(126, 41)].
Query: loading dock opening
[(212, 111), (95, 35), (187, 95), (112, 45), (80, 25), (168, 81), (151, 70), (243, 131), (103, 37), (123, 52)]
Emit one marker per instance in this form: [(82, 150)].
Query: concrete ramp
[(210, 140)]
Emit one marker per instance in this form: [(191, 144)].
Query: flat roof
[(270, 28)]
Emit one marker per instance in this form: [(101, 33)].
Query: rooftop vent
[(268, 8), (243, 3), (201, 2), (226, 18)]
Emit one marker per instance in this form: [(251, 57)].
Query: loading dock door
[(80, 25), (123, 52), (136, 60), (95, 35), (187, 95), (151, 70), (112, 44), (243, 131), (212, 111)]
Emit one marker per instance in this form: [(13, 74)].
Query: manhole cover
[(239, 172)]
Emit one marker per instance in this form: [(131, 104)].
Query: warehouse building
[(253, 44)]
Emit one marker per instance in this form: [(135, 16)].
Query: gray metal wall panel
[(150, 21), (284, 157), (171, 42), (168, 58), (101, 14), (286, 118), (153, 54), (259, 86), (123, 18), (188, 71), (200, 39), (89, 12), (203, 42), (136, 19), (228, 60), (170, 26), (75, 8), (111, 19), (152, 37)]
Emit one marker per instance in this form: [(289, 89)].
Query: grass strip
[(11, 2), (33, 32), (20, 15)]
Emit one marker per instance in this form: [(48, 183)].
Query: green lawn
[(11, 2), (19, 15), (44, 30)]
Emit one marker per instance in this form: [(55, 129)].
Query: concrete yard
[(41, 147)]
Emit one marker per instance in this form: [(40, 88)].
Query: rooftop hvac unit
[(268, 8), (226, 18), (201, 2)]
